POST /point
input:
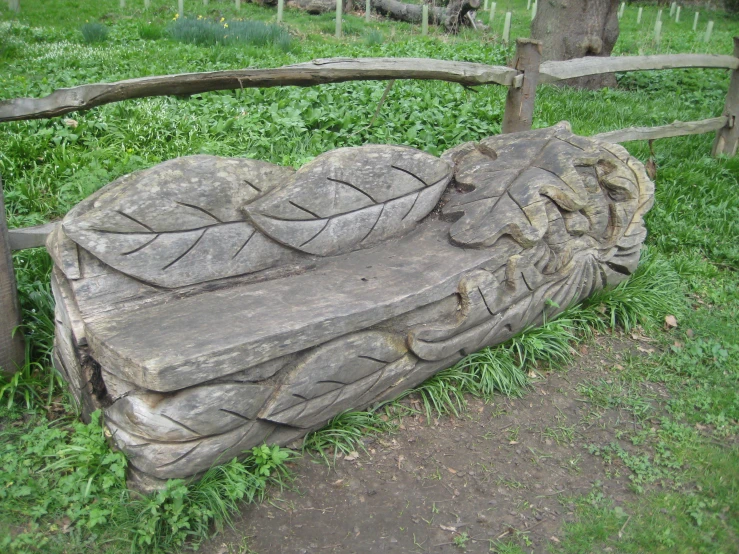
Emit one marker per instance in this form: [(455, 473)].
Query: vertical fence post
[(339, 7), (638, 15), (677, 15), (507, 28), (672, 8), (280, 8), (709, 30), (205, 2), (181, 8), (533, 9), (368, 10), (657, 32), (621, 9), (695, 21), (147, 4), (727, 138), (519, 104), (492, 13), (238, 4), (123, 3), (528, 5), (659, 15), (425, 20), (12, 352)]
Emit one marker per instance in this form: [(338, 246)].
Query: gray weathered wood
[(12, 351), (30, 237), (676, 129), (727, 138), (196, 374), (553, 71), (332, 70), (519, 106)]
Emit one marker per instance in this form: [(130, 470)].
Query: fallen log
[(450, 17)]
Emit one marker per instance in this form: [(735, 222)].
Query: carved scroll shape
[(352, 197)]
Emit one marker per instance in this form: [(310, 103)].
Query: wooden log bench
[(208, 305)]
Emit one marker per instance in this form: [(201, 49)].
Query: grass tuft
[(94, 33), (202, 32), (150, 31), (652, 292), (346, 432), (373, 37)]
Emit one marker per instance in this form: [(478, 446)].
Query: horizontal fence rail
[(317, 72), (550, 72), (676, 129)]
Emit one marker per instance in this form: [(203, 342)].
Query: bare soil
[(503, 471)]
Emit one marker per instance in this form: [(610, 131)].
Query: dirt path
[(501, 472)]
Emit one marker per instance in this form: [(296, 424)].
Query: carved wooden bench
[(208, 304)]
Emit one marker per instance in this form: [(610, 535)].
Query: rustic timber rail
[(522, 80)]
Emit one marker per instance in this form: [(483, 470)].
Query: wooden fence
[(522, 78)]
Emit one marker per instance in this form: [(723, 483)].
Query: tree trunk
[(575, 29)]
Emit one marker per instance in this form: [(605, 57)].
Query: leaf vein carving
[(130, 217), (178, 258), (198, 208), (425, 184), (348, 184)]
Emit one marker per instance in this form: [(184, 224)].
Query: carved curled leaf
[(337, 376), (520, 300), (193, 413), (179, 223), (509, 177), (352, 197), (175, 460)]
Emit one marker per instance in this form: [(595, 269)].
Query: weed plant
[(94, 32)]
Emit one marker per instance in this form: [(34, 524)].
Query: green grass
[(686, 470), (63, 489)]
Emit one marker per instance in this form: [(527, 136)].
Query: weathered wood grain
[(30, 237), (553, 71), (12, 352), (519, 106), (332, 70), (676, 129)]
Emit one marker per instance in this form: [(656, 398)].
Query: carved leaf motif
[(352, 197), (337, 376), (509, 176), (193, 413), (179, 223)]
